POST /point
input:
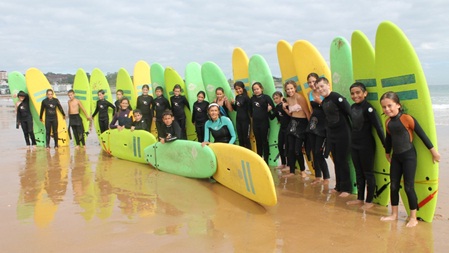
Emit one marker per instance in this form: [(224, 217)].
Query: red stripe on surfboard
[(427, 199)]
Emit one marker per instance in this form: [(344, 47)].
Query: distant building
[(3, 75)]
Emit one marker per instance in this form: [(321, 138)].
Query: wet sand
[(86, 201)]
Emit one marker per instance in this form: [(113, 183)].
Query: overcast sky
[(62, 36)]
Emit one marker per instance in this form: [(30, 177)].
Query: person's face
[(71, 95), (200, 97), (21, 98), (323, 88), (219, 94), (238, 90), (257, 90), (177, 92), (277, 99), (137, 116), (358, 95), (145, 91), (124, 104), (100, 96), (213, 112), (119, 95), (50, 94), (290, 90), (390, 107), (158, 93), (168, 120), (311, 82)]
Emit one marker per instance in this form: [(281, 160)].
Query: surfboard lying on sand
[(183, 158)]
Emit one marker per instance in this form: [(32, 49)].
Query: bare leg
[(303, 174), (317, 180), (344, 194), (393, 216), (413, 221), (354, 202), (326, 182)]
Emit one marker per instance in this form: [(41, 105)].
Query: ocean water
[(440, 103)]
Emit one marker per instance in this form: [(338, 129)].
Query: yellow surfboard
[(125, 83), (244, 172), (37, 85)]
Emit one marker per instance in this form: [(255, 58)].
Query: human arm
[(228, 104), (387, 143), (304, 106), (230, 127), (41, 113), (375, 122), (84, 111), (206, 131), (58, 104), (96, 110)]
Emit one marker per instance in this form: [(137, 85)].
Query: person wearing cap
[(219, 126), (24, 119)]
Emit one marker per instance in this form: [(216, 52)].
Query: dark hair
[(49, 90), (177, 86), (159, 88), (322, 79), (292, 83), (21, 94), (258, 84), (241, 85), (124, 98), (119, 90), (313, 74), (393, 96), (278, 93), (201, 92), (167, 112), (100, 91), (219, 88), (359, 85), (137, 111), (145, 86), (70, 91)]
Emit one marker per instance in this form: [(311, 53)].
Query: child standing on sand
[(199, 115), (363, 146), (282, 114), (50, 105), (75, 121), (102, 110), (24, 119), (400, 128), (145, 103), (242, 105), (178, 102)]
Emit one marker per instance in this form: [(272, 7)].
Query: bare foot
[(317, 181), (303, 174), (288, 175), (412, 223), (344, 194), (354, 202), (56, 147), (84, 147), (280, 167), (286, 169), (48, 148), (367, 206), (325, 181), (333, 191), (77, 147), (389, 218), (33, 147)]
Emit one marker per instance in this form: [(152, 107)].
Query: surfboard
[(260, 72), (194, 82), (126, 144), (245, 173), (342, 79), (17, 82), (142, 76), (171, 79), (240, 71), (37, 85), (125, 83), (398, 69), (240, 64), (363, 62), (81, 87), (157, 76), (99, 82), (183, 158)]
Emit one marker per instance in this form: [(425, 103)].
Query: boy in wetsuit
[(102, 110), (170, 130), (139, 122), (25, 119), (50, 105), (75, 121)]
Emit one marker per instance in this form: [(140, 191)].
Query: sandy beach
[(69, 200)]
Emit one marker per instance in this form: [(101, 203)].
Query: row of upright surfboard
[(391, 65)]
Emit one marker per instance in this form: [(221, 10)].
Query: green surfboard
[(83, 93), (183, 158), (157, 76), (99, 82), (16, 82)]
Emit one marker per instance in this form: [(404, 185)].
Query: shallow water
[(71, 200)]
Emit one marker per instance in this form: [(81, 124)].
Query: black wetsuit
[(170, 133), (146, 106), (178, 103), (103, 116), (363, 147), (261, 123), (338, 123), (51, 118), (160, 105), (199, 118), (76, 124), (141, 125), (242, 106), (283, 119), (117, 106), (123, 118), (316, 136), (25, 119), (403, 161)]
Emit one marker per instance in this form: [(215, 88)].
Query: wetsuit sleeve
[(41, 114), (206, 131), (114, 120), (387, 140), (422, 135), (96, 110), (186, 103), (60, 108), (110, 105), (193, 114), (231, 130), (274, 114), (167, 104), (177, 129), (375, 121)]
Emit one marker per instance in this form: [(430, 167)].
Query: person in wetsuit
[(280, 112), (399, 138), (24, 119), (223, 102), (199, 115), (363, 146), (178, 102), (242, 105), (139, 122), (118, 97), (160, 105), (102, 110), (261, 106), (219, 126), (50, 105), (316, 133), (145, 104), (170, 130), (123, 118), (338, 134)]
